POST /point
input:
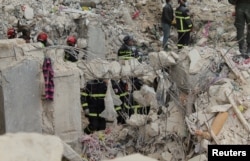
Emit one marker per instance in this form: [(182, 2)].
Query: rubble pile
[(202, 96)]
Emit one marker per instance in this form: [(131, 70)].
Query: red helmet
[(71, 40), (11, 33), (42, 37)]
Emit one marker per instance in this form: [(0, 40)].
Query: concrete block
[(8, 52), (201, 157), (28, 12), (96, 43), (20, 97), (67, 107), (195, 61), (30, 146)]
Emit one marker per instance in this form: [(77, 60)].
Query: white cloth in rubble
[(109, 112)]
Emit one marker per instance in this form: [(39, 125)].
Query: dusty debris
[(30, 146), (202, 95)]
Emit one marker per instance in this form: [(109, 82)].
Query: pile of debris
[(208, 92)]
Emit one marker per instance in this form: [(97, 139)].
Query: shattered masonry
[(209, 92)]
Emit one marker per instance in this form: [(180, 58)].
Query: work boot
[(166, 49), (248, 51), (241, 48), (245, 56)]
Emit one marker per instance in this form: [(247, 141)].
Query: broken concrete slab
[(67, 107), (30, 146), (25, 76), (96, 43), (28, 12), (21, 94)]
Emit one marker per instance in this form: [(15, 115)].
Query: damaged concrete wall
[(172, 133), (96, 43), (22, 90), (67, 107), (21, 97)]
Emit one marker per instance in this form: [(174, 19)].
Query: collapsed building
[(208, 91)]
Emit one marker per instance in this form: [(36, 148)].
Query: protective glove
[(86, 111), (173, 22)]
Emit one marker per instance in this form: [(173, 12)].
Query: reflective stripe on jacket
[(92, 97), (183, 21), (125, 52)]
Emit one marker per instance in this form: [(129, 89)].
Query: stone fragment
[(30, 146), (201, 157), (28, 12)]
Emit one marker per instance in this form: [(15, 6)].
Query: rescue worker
[(166, 19), (11, 33), (43, 38), (71, 54), (242, 17), (121, 90), (25, 35), (183, 24), (92, 99), (25, 30), (135, 107), (127, 50)]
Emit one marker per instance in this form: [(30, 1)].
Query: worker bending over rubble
[(128, 50), (42, 37), (25, 30), (70, 53), (184, 24)]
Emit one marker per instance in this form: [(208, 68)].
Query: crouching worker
[(92, 99)]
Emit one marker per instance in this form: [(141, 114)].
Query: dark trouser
[(95, 124), (121, 118), (242, 17), (183, 39), (166, 33)]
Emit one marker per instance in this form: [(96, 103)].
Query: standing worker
[(92, 99), (183, 24), (166, 19), (242, 17)]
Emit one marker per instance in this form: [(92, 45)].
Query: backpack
[(233, 2)]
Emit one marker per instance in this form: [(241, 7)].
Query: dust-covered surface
[(208, 89)]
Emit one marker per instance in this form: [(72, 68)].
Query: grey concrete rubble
[(202, 97), (32, 146)]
